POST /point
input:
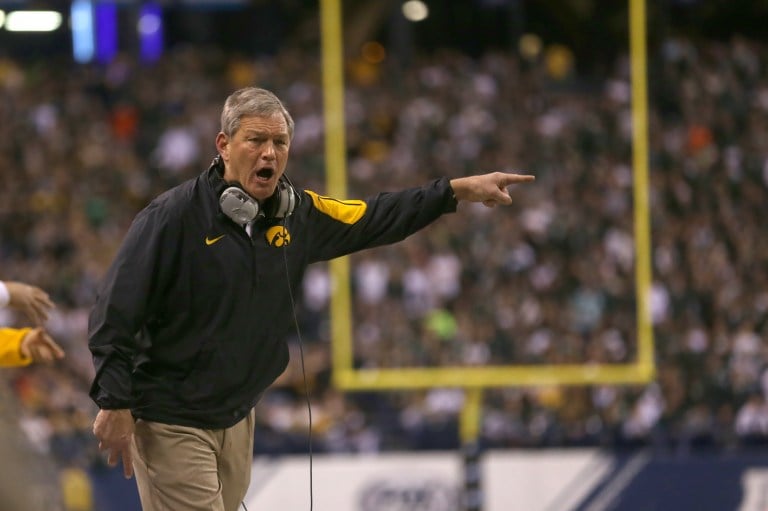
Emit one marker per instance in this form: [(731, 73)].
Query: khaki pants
[(182, 468)]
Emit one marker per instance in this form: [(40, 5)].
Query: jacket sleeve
[(124, 300), (10, 347), (343, 227)]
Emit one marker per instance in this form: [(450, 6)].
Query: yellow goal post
[(347, 377)]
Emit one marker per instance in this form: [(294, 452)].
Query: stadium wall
[(531, 480)]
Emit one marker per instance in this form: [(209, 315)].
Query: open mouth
[(265, 174)]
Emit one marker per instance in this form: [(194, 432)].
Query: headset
[(242, 208)]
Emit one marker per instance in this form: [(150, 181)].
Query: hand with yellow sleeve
[(23, 346)]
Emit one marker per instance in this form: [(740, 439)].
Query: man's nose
[(269, 151)]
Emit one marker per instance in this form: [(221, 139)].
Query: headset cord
[(303, 371)]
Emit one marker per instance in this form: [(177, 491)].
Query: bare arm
[(490, 189)]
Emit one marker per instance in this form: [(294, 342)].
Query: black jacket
[(190, 323)]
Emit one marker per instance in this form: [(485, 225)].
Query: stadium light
[(415, 10), (150, 30), (83, 37), (2, 18), (105, 16), (32, 21)]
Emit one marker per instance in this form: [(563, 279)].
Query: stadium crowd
[(549, 280)]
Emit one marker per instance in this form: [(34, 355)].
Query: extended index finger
[(51, 349), (510, 179)]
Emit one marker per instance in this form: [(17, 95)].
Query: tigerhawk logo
[(278, 236)]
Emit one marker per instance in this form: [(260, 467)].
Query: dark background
[(594, 30)]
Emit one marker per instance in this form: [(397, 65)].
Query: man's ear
[(222, 145)]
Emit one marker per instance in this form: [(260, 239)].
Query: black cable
[(303, 371)]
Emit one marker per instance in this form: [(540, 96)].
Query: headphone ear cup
[(238, 205), (285, 200)]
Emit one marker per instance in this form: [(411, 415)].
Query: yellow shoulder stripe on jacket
[(347, 211)]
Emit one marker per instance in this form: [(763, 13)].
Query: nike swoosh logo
[(211, 241)]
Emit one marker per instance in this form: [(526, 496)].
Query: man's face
[(256, 155)]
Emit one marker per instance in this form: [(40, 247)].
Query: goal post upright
[(347, 377), (474, 380)]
